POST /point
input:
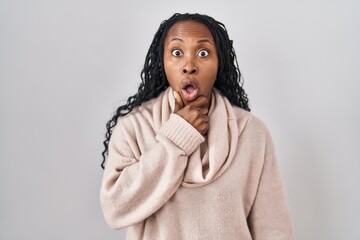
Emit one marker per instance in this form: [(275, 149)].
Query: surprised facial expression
[(190, 60)]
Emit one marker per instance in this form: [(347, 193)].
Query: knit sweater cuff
[(182, 133)]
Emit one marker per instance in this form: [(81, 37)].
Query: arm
[(133, 189), (269, 217)]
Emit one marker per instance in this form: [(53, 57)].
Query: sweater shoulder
[(248, 121), (145, 110), (140, 115)]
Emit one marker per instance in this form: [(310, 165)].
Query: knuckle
[(202, 127), (197, 121), (198, 111)]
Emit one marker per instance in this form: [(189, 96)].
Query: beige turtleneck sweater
[(164, 180)]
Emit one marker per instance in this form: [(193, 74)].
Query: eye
[(176, 53), (203, 53)]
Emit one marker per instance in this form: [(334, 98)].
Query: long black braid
[(154, 81)]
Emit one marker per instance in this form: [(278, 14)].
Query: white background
[(66, 65)]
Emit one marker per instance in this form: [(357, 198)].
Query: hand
[(195, 112)]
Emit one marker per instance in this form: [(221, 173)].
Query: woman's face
[(190, 60)]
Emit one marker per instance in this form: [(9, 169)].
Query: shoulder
[(249, 123), (143, 114)]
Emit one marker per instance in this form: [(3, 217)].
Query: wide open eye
[(203, 53), (176, 53)]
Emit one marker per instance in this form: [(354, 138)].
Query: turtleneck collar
[(222, 140)]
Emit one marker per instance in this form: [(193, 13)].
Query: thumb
[(178, 102)]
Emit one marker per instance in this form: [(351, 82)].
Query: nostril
[(193, 71)]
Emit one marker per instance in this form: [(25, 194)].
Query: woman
[(186, 158)]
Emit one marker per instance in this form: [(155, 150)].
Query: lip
[(189, 96)]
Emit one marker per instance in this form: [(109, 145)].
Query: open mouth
[(189, 90)]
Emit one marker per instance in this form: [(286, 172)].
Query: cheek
[(170, 69), (167, 68), (212, 70), (170, 73), (216, 66)]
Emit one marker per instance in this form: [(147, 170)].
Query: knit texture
[(164, 180)]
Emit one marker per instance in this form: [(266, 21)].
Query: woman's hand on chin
[(195, 112)]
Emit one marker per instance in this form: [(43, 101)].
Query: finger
[(205, 119), (205, 111), (204, 129), (201, 121), (201, 101), (179, 104)]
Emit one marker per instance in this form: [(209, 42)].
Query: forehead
[(189, 29)]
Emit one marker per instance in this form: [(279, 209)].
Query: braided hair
[(154, 81)]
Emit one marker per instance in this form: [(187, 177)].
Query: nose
[(190, 67)]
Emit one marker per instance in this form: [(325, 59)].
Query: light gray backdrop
[(66, 65)]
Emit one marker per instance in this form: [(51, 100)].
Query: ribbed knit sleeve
[(182, 133), (133, 188)]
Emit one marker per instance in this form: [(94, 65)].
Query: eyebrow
[(199, 41), (176, 39)]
